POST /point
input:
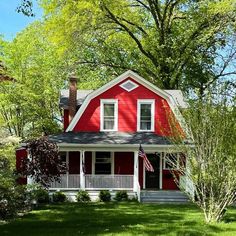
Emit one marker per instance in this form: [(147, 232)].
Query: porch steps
[(163, 196)]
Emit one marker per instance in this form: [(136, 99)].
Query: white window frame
[(94, 162), (165, 160), (102, 103), (128, 81), (152, 103)]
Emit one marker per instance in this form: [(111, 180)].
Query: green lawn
[(117, 219)]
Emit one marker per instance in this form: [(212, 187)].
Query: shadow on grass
[(111, 219)]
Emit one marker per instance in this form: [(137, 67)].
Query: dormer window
[(109, 115), (145, 121), (129, 85)]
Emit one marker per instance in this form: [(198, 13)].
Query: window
[(146, 115), (129, 85), (109, 115), (171, 161), (103, 163)]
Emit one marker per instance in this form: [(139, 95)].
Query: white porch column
[(67, 169), (161, 170), (135, 179), (82, 174)]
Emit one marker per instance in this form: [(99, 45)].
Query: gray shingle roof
[(103, 138), (64, 97)]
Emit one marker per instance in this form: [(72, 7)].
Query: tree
[(43, 163), (176, 44), (29, 103), (210, 155)]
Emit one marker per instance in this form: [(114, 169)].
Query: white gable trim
[(140, 80)]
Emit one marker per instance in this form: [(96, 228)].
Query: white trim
[(67, 169), (128, 81), (170, 100), (82, 174), (152, 103), (136, 170), (161, 174), (102, 103)]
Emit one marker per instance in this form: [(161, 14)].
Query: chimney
[(72, 104)]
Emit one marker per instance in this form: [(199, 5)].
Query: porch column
[(82, 174), (135, 179)]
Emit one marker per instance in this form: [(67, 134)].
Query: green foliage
[(59, 197), (83, 196), (41, 195), (121, 196), (175, 44), (29, 104), (43, 163), (104, 196)]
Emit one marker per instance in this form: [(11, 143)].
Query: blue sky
[(12, 22)]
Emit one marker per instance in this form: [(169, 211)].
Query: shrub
[(121, 196), (59, 197), (83, 196), (105, 196), (41, 195)]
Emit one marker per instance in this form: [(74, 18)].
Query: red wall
[(127, 110), (124, 163), (88, 163), (74, 162), (20, 155), (168, 181)]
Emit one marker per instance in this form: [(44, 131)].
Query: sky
[(12, 22)]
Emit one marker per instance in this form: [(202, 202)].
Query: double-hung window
[(145, 114), (109, 115)]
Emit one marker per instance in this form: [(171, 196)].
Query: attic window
[(129, 85)]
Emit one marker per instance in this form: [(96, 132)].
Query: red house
[(103, 130)]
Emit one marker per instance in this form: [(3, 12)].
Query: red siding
[(168, 182), (66, 119), (124, 163), (74, 162), (88, 162), (127, 110), (20, 155)]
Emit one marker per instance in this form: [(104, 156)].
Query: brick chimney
[(72, 104)]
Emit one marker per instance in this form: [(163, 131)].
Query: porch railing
[(67, 181), (109, 182)]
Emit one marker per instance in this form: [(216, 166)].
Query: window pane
[(109, 124), (146, 110), (103, 163), (109, 110), (145, 116)]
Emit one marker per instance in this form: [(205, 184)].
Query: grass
[(71, 219)]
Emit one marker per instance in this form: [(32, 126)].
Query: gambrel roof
[(174, 98)]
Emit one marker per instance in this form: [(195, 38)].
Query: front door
[(152, 178)]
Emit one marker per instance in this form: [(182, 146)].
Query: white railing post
[(67, 169), (82, 174), (135, 180)]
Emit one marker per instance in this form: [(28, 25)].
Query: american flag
[(147, 164)]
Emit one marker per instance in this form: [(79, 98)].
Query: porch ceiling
[(109, 138)]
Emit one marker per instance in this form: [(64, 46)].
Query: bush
[(83, 196), (59, 197), (41, 195), (105, 196), (121, 196)]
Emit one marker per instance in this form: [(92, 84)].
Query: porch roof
[(109, 138)]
